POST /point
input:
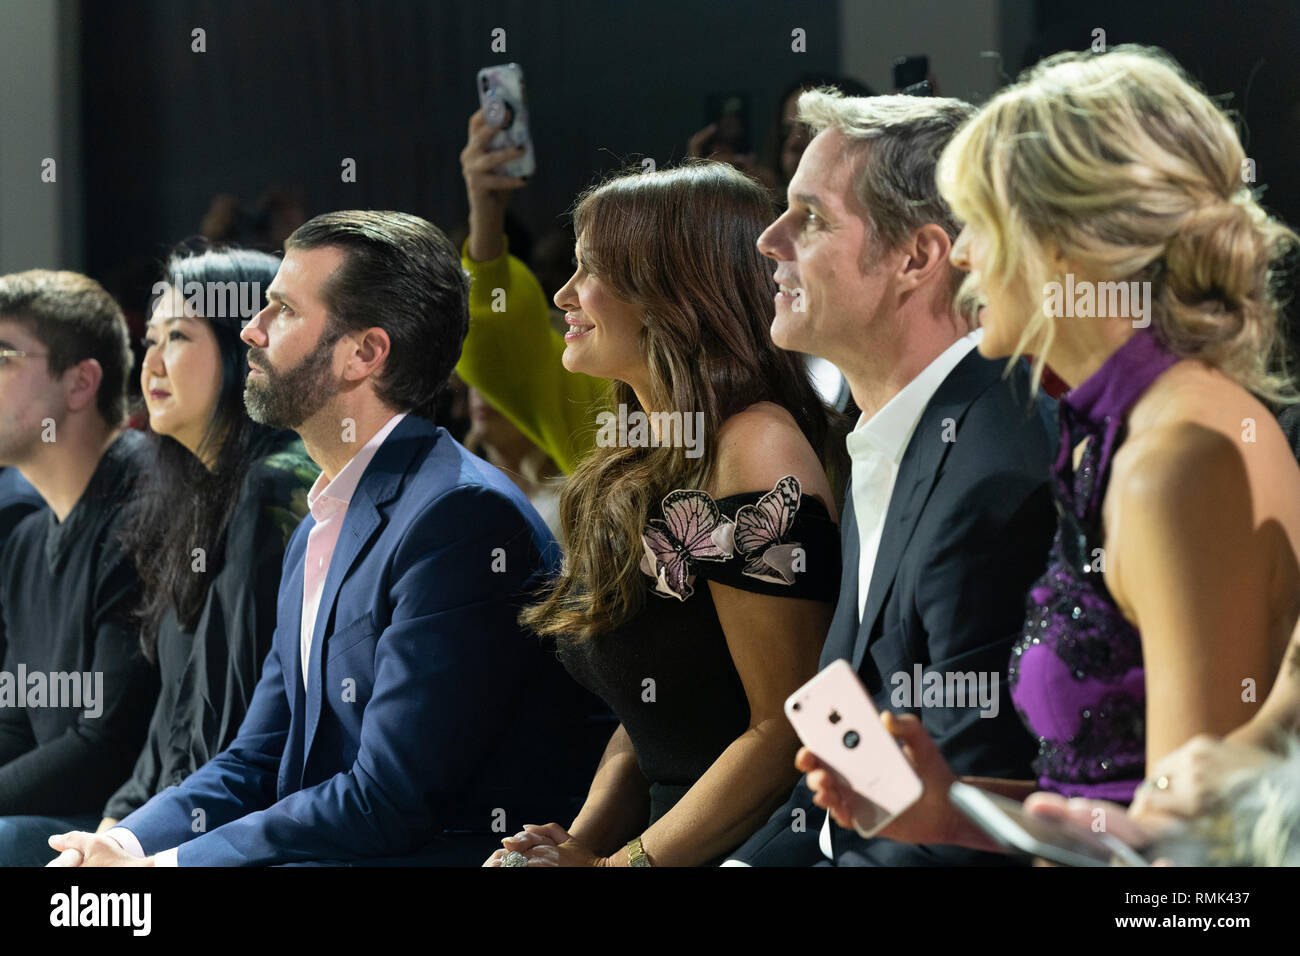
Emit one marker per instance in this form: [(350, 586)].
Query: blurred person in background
[(494, 437), (786, 137)]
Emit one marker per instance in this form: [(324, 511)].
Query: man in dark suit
[(948, 517), (401, 710)]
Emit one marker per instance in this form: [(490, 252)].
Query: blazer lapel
[(379, 485), (290, 656), (917, 473), (844, 623), (359, 523)]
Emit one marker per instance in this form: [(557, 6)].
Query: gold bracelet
[(635, 854)]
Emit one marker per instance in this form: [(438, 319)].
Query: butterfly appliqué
[(761, 529), (694, 529)]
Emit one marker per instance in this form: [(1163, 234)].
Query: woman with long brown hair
[(703, 558)]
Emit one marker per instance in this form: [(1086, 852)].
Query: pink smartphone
[(836, 719)]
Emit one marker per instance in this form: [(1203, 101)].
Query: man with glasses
[(75, 691)]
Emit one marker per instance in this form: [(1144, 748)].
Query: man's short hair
[(74, 319), (400, 274), (900, 139)]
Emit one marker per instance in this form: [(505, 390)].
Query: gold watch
[(635, 854)]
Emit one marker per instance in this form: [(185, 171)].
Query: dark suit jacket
[(428, 729), (965, 536)]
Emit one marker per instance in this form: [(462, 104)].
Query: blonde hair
[(1122, 164)]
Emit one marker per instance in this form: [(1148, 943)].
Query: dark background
[(287, 90)]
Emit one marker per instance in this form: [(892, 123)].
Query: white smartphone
[(501, 94), (1058, 841), (836, 719)]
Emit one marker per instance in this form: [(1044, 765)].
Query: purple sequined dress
[(1076, 673)]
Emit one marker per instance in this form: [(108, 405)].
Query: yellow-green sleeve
[(512, 356)]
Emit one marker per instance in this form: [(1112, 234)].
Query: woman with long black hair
[(214, 516)]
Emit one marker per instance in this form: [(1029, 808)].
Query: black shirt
[(67, 592), (208, 675), (696, 706)]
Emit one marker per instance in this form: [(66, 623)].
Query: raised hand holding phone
[(505, 109), (487, 190)]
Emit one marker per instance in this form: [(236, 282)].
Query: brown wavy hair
[(681, 244)]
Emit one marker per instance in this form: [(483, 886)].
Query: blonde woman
[(1172, 586)]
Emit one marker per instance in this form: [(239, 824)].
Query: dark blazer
[(965, 536), (428, 729)]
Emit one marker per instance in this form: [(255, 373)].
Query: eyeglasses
[(7, 354)]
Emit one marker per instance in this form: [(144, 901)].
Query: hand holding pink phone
[(837, 721)]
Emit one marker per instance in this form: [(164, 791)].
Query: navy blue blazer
[(432, 724), (965, 536)]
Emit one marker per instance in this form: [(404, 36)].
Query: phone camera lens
[(851, 739), (797, 706)]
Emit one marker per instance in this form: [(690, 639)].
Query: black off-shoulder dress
[(667, 673)]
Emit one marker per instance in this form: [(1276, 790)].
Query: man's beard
[(287, 399)]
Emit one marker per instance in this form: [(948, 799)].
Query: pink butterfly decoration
[(760, 528), (692, 529)]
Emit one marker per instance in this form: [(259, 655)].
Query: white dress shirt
[(876, 447)]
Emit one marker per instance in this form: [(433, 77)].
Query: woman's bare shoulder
[(759, 446)]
